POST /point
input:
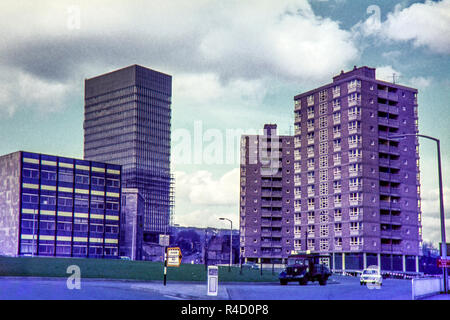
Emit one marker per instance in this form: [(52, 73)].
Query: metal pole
[(441, 199), (231, 245), (165, 265), (441, 204), (34, 222)]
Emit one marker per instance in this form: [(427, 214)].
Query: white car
[(371, 275)]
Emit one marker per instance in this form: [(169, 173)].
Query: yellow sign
[(174, 257)]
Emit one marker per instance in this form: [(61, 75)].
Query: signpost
[(172, 258), (443, 263), (164, 240)]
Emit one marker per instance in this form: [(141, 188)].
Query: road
[(339, 288)]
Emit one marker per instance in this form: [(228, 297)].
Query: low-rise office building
[(58, 206)]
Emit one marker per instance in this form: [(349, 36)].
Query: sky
[(235, 66)]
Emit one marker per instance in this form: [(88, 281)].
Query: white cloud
[(228, 50), (387, 73), (201, 188), (420, 82), (425, 24), (20, 90), (207, 217)]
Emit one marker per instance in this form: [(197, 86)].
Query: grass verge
[(123, 269)]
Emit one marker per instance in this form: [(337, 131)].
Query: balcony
[(355, 232), (310, 128), (310, 141), (356, 217), (337, 204), (338, 233), (355, 187), (336, 92), (336, 120), (338, 247), (388, 122), (354, 144), (352, 159), (353, 130), (354, 173), (354, 116), (355, 202), (356, 247), (354, 102)]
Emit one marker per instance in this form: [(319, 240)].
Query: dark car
[(306, 267)]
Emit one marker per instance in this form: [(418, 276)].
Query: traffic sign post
[(164, 240), (443, 263), (174, 257)]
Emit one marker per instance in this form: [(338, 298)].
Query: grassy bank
[(122, 269)]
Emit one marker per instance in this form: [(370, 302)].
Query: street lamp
[(441, 197), (231, 241)]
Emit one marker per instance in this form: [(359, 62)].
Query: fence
[(423, 287)]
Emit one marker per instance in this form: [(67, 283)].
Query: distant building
[(357, 189), (267, 197), (58, 206), (131, 224), (127, 121)]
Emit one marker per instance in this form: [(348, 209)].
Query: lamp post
[(441, 196), (231, 241)]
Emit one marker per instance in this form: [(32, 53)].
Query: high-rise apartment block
[(58, 206), (357, 189), (127, 121), (266, 197)]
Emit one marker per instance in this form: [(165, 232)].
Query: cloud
[(424, 24), (201, 188), (25, 91), (202, 199), (386, 73), (207, 217), (228, 46)]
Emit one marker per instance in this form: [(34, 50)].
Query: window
[(323, 122), (323, 108), (355, 196), (324, 230), (356, 241), (323, 216), (337, 157), (355, 226), (323, 135), (338, 242), (338, 227), (30, 173), (323, 148), (323, 204), (337, 214), (337, 186), (323, 162), (354, 211), (323, 189), (337, 199)]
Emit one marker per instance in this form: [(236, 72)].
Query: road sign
[(443, 263), (173, 257), (164, 240)]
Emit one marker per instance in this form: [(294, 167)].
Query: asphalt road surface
[(339, 288)]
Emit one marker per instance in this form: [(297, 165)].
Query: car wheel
[(303, 282), (283, 282), (322, 281)]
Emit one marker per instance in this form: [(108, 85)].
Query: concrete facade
[(57, 206), (266, 197), (131, 224), (127, 121), (357, 190)]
